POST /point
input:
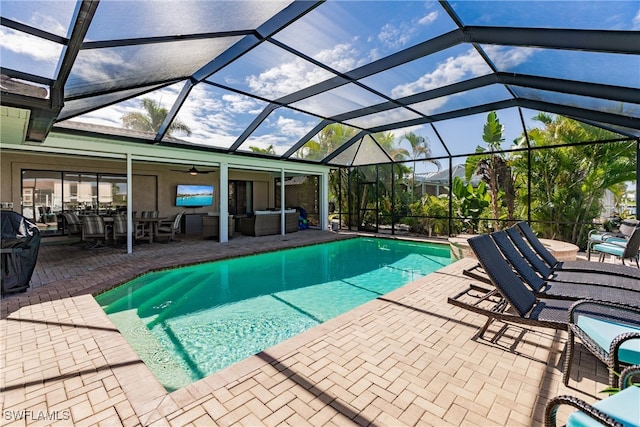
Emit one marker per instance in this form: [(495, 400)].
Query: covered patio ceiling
[(266, 77)]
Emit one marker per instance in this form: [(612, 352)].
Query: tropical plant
[(472, 202), (494, 169), (568, 182), (152, 118), (430, 215)]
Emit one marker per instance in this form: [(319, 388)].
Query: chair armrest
[(579, 305), (619, 241), (617, 343), (627, 374), (554, 404)]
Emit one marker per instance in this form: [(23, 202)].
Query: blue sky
[(344, 35)]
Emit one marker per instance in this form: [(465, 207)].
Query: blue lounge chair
[(625, 249), (622, 235), (614, 341)]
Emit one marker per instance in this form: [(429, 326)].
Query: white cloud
[(451, 70), (286, 78), (398, 36), (291, 127), (506, 58), (467, 65), (34, 47), (636, 21), (48, 23), (428, 19), (264, 142), (342, 57), (394, 37)]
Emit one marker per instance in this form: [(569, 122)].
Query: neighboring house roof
[(442, 177)]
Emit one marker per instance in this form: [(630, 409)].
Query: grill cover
[(19, 245)]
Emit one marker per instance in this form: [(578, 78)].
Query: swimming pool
[(189, 322)]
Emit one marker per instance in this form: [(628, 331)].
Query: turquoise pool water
[(189, 322)]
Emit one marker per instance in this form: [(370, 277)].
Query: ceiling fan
[(192, 171)]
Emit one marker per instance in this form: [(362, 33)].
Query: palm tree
[(268, 150), (419, 150), (327, 140), (152, 118)]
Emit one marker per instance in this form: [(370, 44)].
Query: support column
[(129, 205), (324, 201), (282, 203), (224, 202)]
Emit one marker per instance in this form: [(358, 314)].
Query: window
[(47, 193)]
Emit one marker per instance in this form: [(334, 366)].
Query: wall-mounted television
[(194, 195)]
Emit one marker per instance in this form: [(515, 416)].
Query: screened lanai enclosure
[(435, 117)]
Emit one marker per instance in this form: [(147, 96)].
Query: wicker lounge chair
[(613, 411), (511, 301), (549, 267), (604, 291), (525, 255)]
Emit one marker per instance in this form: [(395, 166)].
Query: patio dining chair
[(93, 228), (619, 410), (170, 230), (119, 227), (72, 224)]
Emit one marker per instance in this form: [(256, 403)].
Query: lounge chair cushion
[(609, 248), (618, 406), (603, 332)]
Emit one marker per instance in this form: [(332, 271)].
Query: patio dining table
[(150, 225)]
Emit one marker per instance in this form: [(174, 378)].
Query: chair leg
[(568, 358)]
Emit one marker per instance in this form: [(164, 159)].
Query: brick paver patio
[(406, 358)]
